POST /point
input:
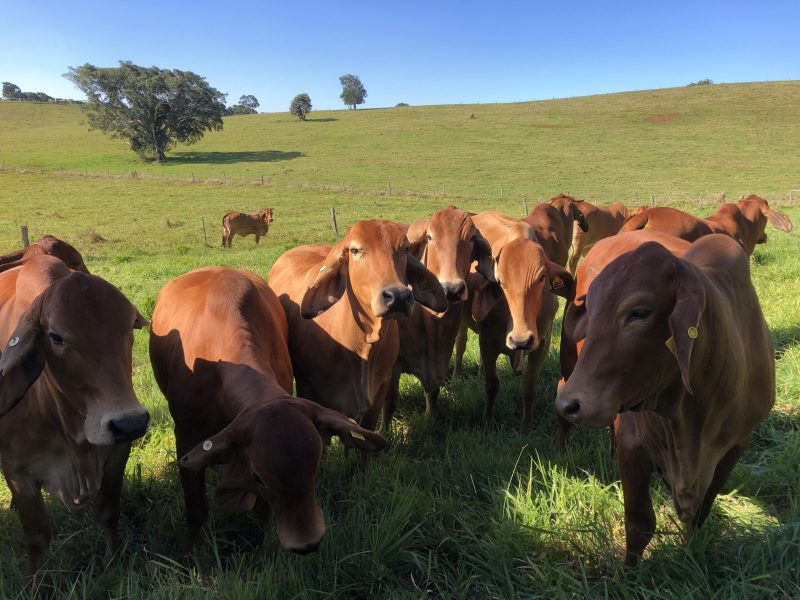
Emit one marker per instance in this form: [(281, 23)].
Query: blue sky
[(415, 52)]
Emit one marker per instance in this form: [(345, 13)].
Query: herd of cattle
[(662, 338)]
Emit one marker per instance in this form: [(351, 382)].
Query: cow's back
[(554, 231)]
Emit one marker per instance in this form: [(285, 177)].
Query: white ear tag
[(207, 445), (13, 342)]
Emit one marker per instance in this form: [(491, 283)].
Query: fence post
[(333, 221), (203, 222), (501, 194), (224, 177), (23, 231), (637, 198), (262, 180), (390, 188), (652, 200), (524, 205)]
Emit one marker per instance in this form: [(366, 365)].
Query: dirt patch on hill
[(662, 118)]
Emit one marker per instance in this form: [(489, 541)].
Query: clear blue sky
[(415, 52)]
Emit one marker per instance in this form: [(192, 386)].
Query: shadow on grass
[(325, 120), (227, 158), (785, 337)]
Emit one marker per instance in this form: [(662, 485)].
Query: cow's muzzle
[(525, 343), (130, 427), (456, 291), (308, 549), (397, 300)]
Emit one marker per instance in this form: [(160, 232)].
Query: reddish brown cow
[(341, 302), (553, 223), (47, 245), (218, 346), (446, 243), (746, 221), (67, 362), (672, 222), (680, 348), (513, 314), (243, 224), (602, 222)]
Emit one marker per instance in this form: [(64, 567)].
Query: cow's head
[(79, 334), (447, 244), (266, 215), (372, 264), (279, 444), (639, 323), (567, 205), (757, 214), (60, 249)]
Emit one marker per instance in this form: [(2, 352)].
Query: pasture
[(451, 510)]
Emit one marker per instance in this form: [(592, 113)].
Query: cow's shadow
[(227, 158)]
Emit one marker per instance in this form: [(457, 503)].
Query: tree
[(11, 90), (247, 106), (353, 91), (152, 108), (249, 101), (301, 106)]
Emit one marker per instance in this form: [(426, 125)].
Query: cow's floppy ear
[(562, 283), (484, 300), (573, 330), (426, 288), (778, 220), (579, 218), (482, 252), (140, 322), (329, 285), (332, 423), (217, 449), (417, 235), (684, 321), (22, 360)]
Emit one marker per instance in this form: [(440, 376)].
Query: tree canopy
[(152, 108), (300, 106), (353, 91), (247, 106)]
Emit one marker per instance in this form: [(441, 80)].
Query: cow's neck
[(12, 257), (244, 386), (369, 328)]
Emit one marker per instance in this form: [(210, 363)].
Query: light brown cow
[(746, 221), (680, 348), (218, 345), (67, 361), (46, 245), (513, 314), (341, 302), (243, 224), (602, 222), (553, 223), (447, 243), (673, 222)]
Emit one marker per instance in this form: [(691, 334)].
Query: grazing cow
[(243, 224), (602, 222), (596, 260), (447, 243), (67, 362), (218, 345), (553, 223), (513, 313), (47, 245), (678, 356), (746, 221), (341, 303)]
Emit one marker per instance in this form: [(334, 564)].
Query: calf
[(67, 365), (601, 221), (680, 349), (243, 224), (341, 303), (218, 345), (47, 245), (553, 223)]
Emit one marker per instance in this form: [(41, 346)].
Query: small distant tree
[(11, 91), (400, 105), (300, 106), (353, 91), (702, 82), (152, 108), (249, 101), (247, 106)]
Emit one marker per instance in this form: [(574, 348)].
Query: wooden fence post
[(203, 222), (23, 231), (652, 200), (501, 194), (333, 221), (390, 188), (524, 206)]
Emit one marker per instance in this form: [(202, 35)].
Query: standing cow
[(243, 224), (601, 222)]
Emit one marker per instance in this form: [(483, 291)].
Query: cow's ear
[(329, 286), (140, 322), (426, 288), (482, 252), (684, 321), (22, 360), (579, 218), (484, 300), (417, 235), (217, 449), (562, 283), (573, 330), (332, 423), (778, 220)]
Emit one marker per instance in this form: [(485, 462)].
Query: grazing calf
[(746, 221), (447, 243), (243, 224), (602, 222), (47, 245), (218, 345), (678, 356), (341, 303), (553, 223), (67, 364), (513, 313)]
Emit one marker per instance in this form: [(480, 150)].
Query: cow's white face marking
[(13, 341), (207, 445)]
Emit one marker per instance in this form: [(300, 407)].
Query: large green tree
[(152, 108), (353, 91), (300, 106)]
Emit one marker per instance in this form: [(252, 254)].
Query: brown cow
[(47, 245), (341, 302), (673, 222), (67, 360), (513, 314), (446, 243), (243, 224), (553, 223), (680, 348), (602, 222), (218, 345), (746, 221)]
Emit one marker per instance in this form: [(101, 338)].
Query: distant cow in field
[(677, 355), (243, 224), (218, 346), (602, 222), (66, 364), (46, 245)]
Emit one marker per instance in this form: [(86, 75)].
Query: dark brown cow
[(680, 348), (746, 221), (602, 222), (47, 245), (553, 223), (243, 224), (447, 243), (68, 340), (218, 345), (341, 302), (513, 314)]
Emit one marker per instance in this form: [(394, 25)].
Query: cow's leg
[(27, 496), (721, 474), (106, 509), (431, 401), (489, 354), (194, 494), (461, 347), (635, 468), (392, 398), (572, 265), (258, 237), (530, 381), (263, 511)]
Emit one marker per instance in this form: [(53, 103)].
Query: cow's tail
[(225, 229)]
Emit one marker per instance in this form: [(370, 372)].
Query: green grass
[(449, 511)]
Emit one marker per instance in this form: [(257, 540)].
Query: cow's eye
[(639, 314), (56, 339), (429, 237), (354, 251)]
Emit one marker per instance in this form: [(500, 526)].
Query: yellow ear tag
[(557, 283), (692, 333), (670, 344)]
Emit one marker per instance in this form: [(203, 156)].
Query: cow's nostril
[(129, 428), (388, 297), (569, 408)]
